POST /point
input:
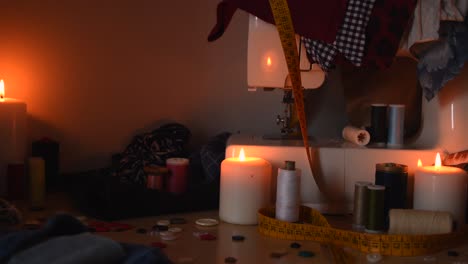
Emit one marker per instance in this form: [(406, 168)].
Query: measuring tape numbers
[(315, 227)]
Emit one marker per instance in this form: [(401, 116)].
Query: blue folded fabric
[(15, 243), (74, 249), (442, 60)]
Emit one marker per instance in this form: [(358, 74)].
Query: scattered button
[(158, 245), (109, 226), (295, 245), (163, 223), (230, 260), (160, 227), (306, 254), (175, 229), (452, 253), (207, 237), (278, 254), (238, 238), (374, 257), (185, 260), (141, 231), (81, 218), (204, 235), (167, 235), (177, 221), (207, 222), (429, 258)]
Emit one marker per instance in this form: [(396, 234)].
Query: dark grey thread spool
[(396, 126), (361, 202), (378, 128)]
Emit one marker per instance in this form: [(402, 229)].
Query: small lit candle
[(244, 188), (12, 133), (441, 188)]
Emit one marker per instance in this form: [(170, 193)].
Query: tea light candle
[(441, 188), (12, 133), (244, 188)]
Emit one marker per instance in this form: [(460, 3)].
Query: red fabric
[(99, 226), (388, 22), (315, 19)]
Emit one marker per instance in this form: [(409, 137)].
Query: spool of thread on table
[(376, 221), (361, 203), (394, 177), (412, 222), (396, 126), (288, 193)]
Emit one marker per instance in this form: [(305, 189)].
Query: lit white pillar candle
[(12, 133), (244, 188), (441, 188)]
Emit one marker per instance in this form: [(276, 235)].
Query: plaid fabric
[(350, 40)]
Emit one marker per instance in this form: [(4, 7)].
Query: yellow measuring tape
[(315, 227), (285, 28)]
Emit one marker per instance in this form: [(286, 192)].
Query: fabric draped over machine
[(370, 33)]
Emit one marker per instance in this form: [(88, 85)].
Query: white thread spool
[(355, 135), (288, 193), (411, 222)]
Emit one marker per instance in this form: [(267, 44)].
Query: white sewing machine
[(443, 123)]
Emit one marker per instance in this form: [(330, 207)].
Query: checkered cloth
[(350, 40)]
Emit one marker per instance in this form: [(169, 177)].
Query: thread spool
[(375, 220), (36, 169), (394, 177), (379, 124), (422, 222), (288, 193), (361, 203), (355, 135), (396, 126)]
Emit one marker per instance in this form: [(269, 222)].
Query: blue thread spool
[(395, 179)]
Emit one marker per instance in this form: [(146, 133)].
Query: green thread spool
[(361, 203), (376, 218)]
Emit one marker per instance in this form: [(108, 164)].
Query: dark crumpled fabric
[(212, 154), (443, 60), (385, 29), (314, 19), (152, 148)]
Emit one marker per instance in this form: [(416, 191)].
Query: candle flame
[(2, 90), (438, 163), (242, 155), (419, 163), (268, 61)]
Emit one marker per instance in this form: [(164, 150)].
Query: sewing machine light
[(266, 65)]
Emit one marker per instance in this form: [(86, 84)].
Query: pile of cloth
[(370, 33), (65, 240)]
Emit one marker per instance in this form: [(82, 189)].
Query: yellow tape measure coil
[(315, 227)]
